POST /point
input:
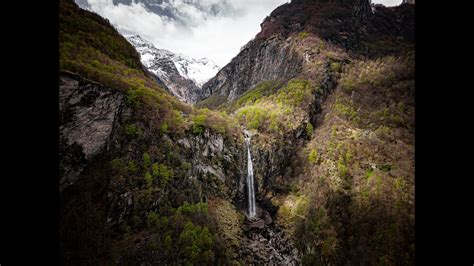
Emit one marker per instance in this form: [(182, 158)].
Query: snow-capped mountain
[(184, 76), (198, 70)]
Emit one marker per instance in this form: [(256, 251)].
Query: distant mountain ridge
[(182, 75)]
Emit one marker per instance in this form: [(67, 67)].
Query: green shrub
[(295, 93), (173, 122), (399, 183), (313, 156), (309, 129), (119, 166), (152, 219), (132, 167), (168, 242), (132, 131), (197, 208), (369, 173), (133, 97), (198, 124), (342, 167), (321, 46), (335, 67), (345, 108), (364, 193), (196, 244), (149, 179), (302, 35), (164, 128), (253, 116), (251, 96), (265, 110), (162, 172), (348, 156), (347, 85), (146, 160)]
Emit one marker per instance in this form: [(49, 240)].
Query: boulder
[(260, 224)]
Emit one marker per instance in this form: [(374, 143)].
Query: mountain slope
[(348, 25), (132, 156), (334, 143), (182, 75)]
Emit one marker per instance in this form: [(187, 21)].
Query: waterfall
[(250, 185)]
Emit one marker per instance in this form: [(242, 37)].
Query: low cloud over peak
[(214, 29)]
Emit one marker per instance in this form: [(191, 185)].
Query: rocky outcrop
[(266, 245), (181, 87), (215, 158), (90, 116), (90, 124), (272, 59)]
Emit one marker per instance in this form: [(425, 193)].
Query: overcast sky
[(215, 29)]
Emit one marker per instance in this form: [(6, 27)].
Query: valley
[(299, 151)]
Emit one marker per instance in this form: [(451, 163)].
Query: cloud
[(215, 29)]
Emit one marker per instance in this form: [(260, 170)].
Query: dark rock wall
[(90, 122), (272, 59)]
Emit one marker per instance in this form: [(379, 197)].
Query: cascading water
[(268, 245), (250, 185)]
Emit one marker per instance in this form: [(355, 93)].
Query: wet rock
[(267, 218), (260, 224)]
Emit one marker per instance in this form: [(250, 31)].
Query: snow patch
[(197, 70)]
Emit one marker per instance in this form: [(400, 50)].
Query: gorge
[(300, 151)]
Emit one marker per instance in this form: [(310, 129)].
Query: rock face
[(216, 158), (89, 117), (260, 224), (90, 123), (272, 59)]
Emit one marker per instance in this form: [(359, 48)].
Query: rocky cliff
[(91, 116), (91, 121), (258, 61), (351, 25)]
